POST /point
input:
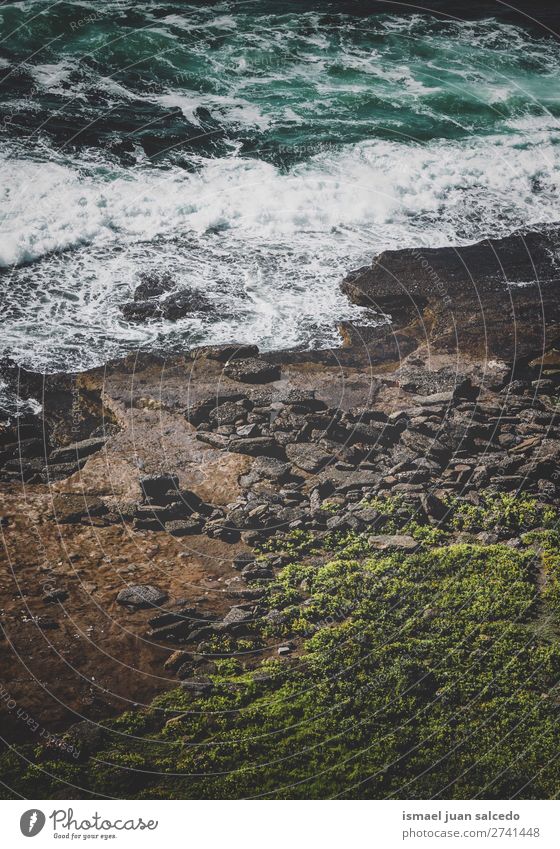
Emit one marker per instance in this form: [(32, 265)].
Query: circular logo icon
[(31, 822)]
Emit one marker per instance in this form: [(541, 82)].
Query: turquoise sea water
[(256, 151)]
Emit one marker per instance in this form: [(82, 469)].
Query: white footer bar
[(286, 825)]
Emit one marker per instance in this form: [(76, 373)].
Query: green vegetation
[(411, 676)]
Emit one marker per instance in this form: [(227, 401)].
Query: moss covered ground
[(410, 675)]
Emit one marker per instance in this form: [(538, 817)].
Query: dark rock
[(343, 522), (544, 386), (171, 307), (70, 508), (310, 458), (199, 411), (366, 516), (355, 481), (59, 471), (466, 389), (246, 558), (275, 617), (301, 401), (252, 370), (171, 617), (33, 447), (546, 488), (433, 506), (147, 525), (215, 440), (222, 531), (153, 285), (383, 342), (271, 468), (254, 446), (158, 485), (237, 616), (183, 527), (141, 595), (224, 353), (256, 572), (46, 624), (175, 510), (56, 595), (247, 431), (458, 290), (183, 303), (174, 632), (228, 412), (199, 686), (77, 450)]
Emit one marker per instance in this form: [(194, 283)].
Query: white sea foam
[(267, 248), (230, 110), (456, 190)]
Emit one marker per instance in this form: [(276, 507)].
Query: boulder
[(254, 446), (256, 571), (237, 616), (183, 527), (271, 468), (228, 412), (393, 542), (301, 401), (248, 431), (141, 595), (310, 458), (170, 307), (433, 506), (252, 370)]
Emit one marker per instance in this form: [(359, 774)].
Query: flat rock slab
[(182, 527), (252, 370), (310, 458), (393, 542), (236, 616), (254, 446), (271, 468), (77, 450), (224, 353), (141, 595)]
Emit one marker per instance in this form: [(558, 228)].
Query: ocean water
[(255, 152)]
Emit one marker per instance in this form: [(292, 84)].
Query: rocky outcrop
[(156, 297), (498, 297)]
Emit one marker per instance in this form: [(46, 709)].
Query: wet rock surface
[(477, 298), (156, 297)]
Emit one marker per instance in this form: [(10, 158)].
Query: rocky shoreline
[(154, 509)]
